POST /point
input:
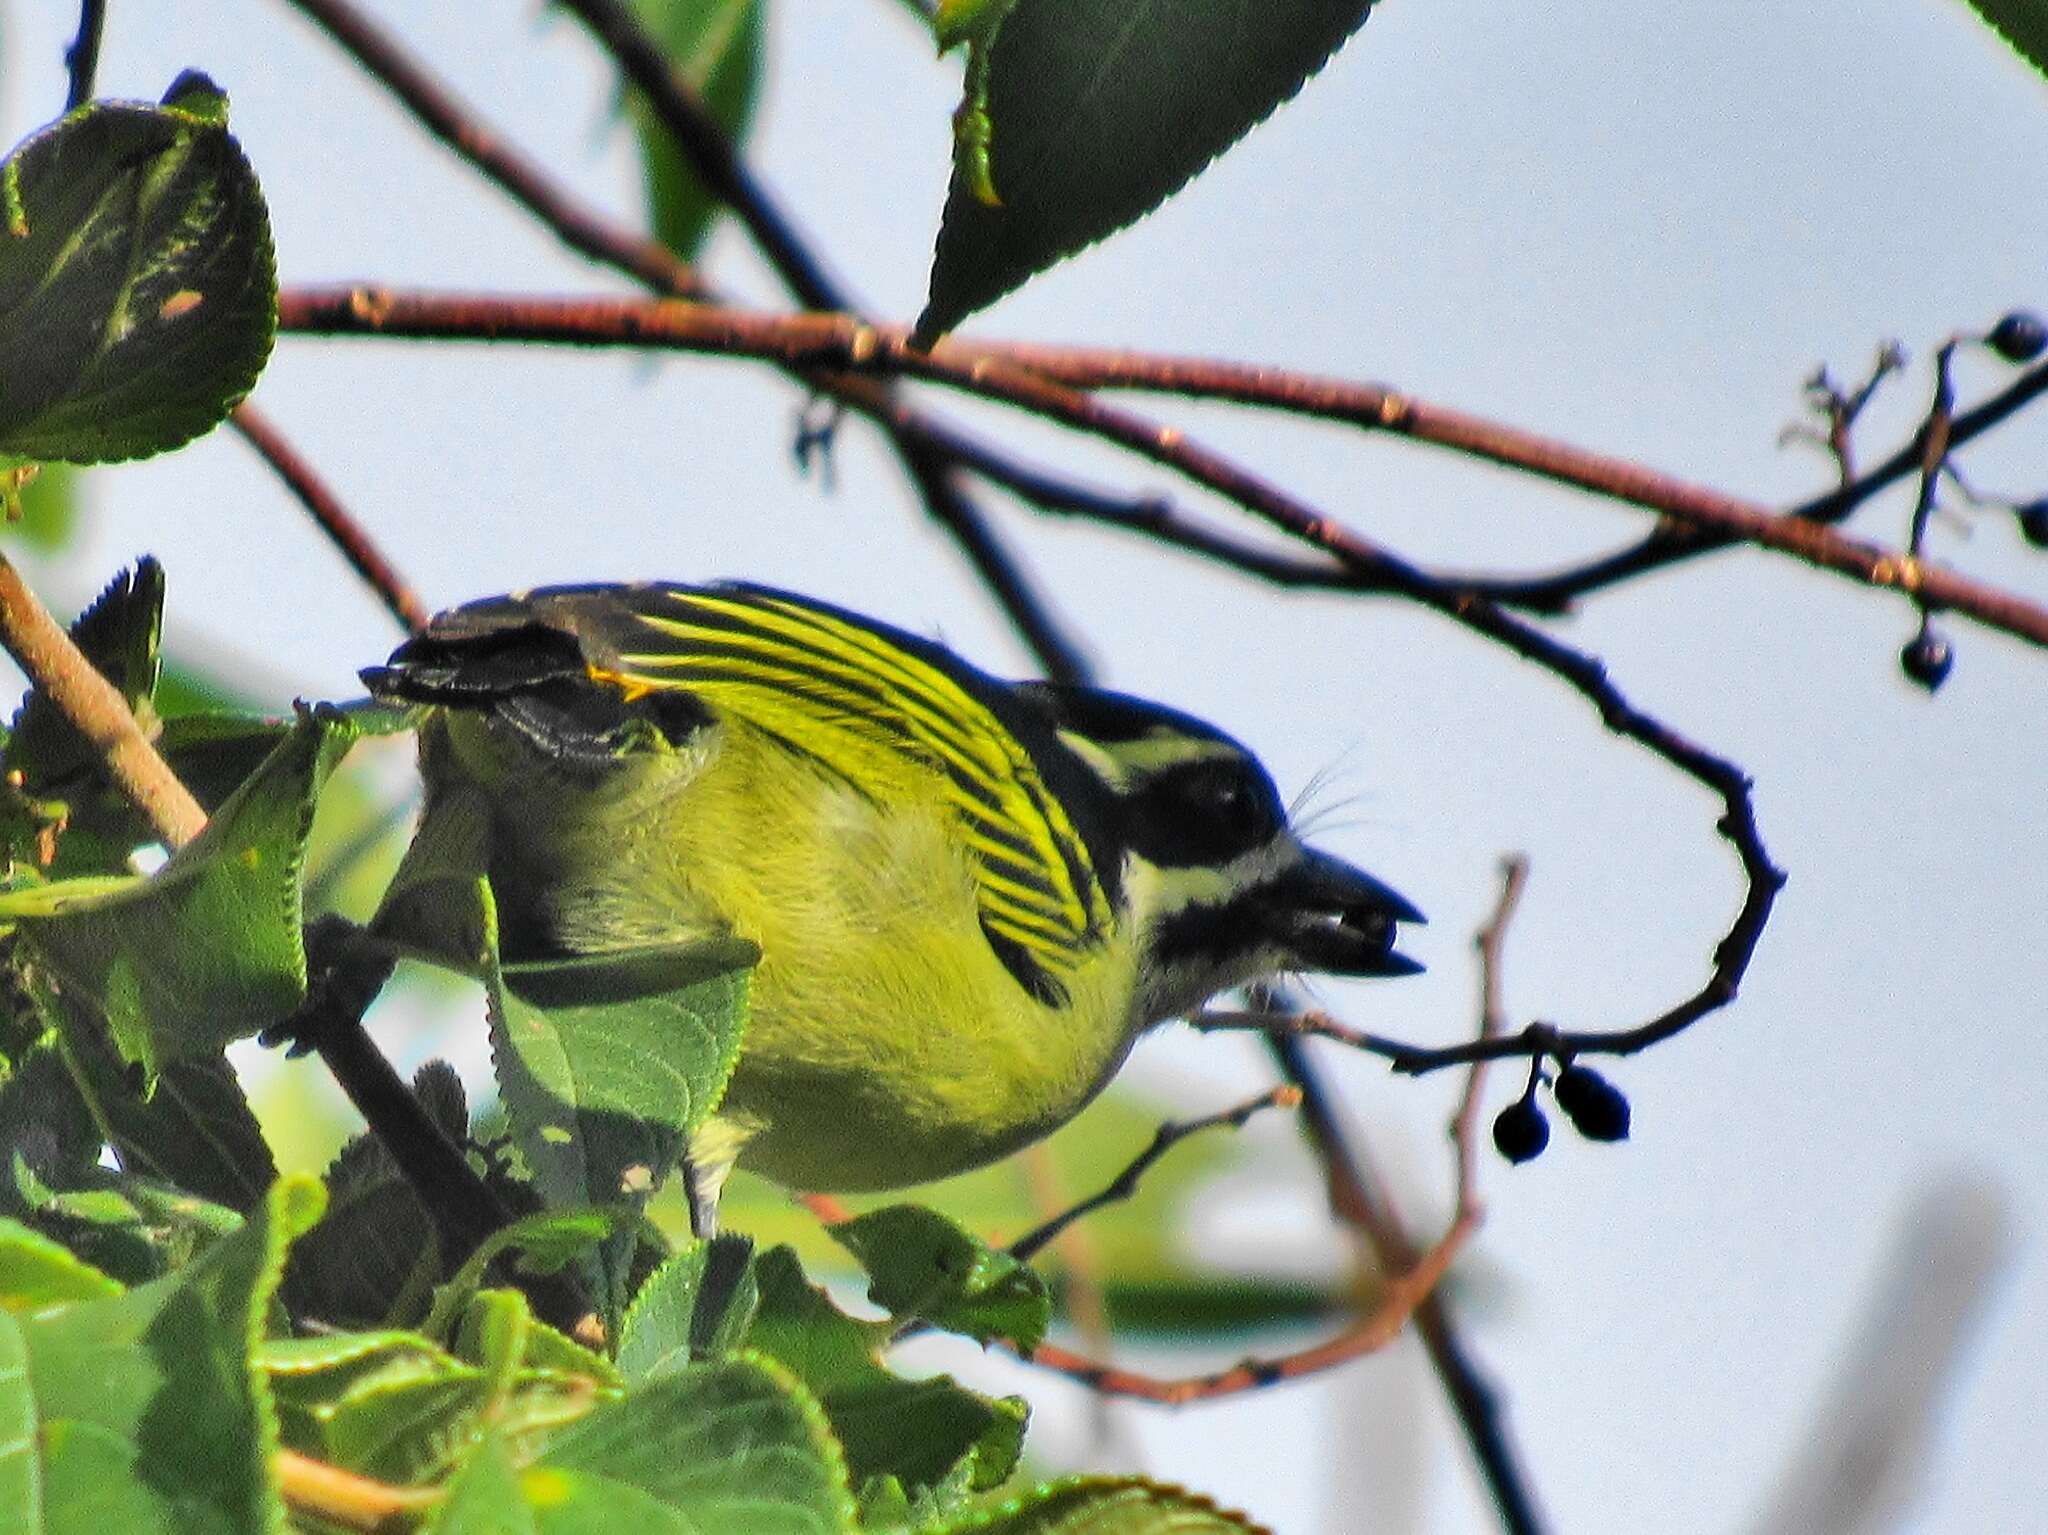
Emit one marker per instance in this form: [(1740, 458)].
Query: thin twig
[(334, 1496), (1370, 1333), (1360, 1202), (488, 151), (1489, 941), (342, 529), (1164, 1139), (1555, 593), (709, 150), (82, 58), (348, 972), (59, 669)]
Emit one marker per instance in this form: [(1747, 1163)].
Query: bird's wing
[(828, 686)]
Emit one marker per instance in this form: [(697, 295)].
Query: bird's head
[(1201, 860)]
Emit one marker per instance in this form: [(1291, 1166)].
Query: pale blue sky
[(1637, 227)]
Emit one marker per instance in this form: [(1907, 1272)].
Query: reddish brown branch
[(1370, 1333), (334, 519), (837, 342)]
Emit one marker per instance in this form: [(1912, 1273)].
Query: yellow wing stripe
[(796, 670), (949, 714)]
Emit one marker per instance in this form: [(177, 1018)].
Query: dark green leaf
[(2022, 24), (375, 1254), (196, 1131), (923, 1267), (396, 1406), (921, 1432), (715, 45), (698, 1305), (138, 294), (1104, 1505), (1087, 114), (148, 1412), (208, 948), (118, 633), (734, 1446)]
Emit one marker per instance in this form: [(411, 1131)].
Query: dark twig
[(527, 183), (938, 482), (1125, 1183), (919, 440), (1360, 1203), (1556, 592), (334, 519), (710, 152), (82, 58), (348, 971), (1934, 445)]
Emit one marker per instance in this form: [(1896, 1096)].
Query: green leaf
[(715, 45), (196, 1131), (483, 1497), (397, 1407), (1104, 1505), (921, 1432), (2023, 26), (208, 948), (36, 1272), (1087, 114), (606, 1064), (697, 1305), (138, 292), (736, 1446), (923, 1267), (148, 1413)]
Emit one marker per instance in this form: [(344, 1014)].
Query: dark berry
[(2033, 522), (1593, 1104), (1521, 1132), (1927, 659), (2019, 337)]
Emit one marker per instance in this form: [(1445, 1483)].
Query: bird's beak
[(1338, 919)]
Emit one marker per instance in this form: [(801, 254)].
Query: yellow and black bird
[(970, 895)]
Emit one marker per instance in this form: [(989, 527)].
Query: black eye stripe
[(1205, 812)]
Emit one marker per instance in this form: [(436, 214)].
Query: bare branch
[(1164, 1139), (334, 519)]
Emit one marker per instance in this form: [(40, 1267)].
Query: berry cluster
[(1594, 1105)]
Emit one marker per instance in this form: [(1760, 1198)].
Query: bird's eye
[(1206, 813)]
